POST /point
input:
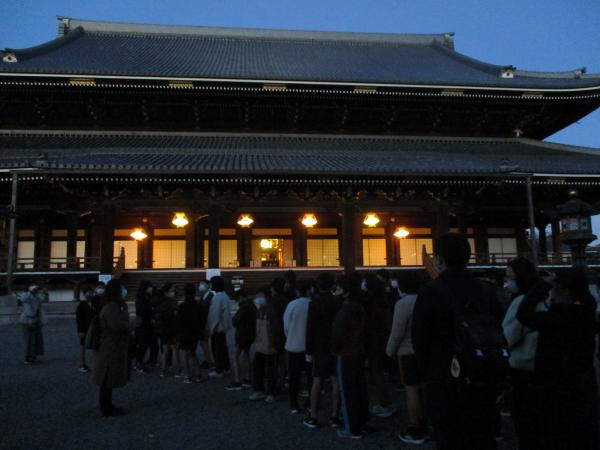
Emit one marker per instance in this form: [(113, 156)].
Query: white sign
[(212, 273), (104, 278)]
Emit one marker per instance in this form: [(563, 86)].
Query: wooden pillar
[(200, 238), (349, 239), (542, 241), (300, 245), (481, 243), (72, 220), (462, 223), (442, 220), (522, 246), (391, 244), (190, 243), (213, 237), (244, 240), (107, 233), (93, 243), (556, 243), (42, 244)]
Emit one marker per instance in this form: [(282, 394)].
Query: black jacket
[(321, 314), (348, 335), (434, 323), (190, 323), (244, 322), (83, 314)]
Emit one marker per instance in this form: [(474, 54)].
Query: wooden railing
[(55, 264)]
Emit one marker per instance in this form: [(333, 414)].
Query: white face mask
[(202, 287), (363, 285), (394, 284), (260, 302), (123, 293), (100, 291), (149, 291), (171, 294), (510, 286)]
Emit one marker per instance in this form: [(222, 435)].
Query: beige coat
[(111, 361)]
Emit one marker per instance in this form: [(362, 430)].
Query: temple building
[(170, 150)]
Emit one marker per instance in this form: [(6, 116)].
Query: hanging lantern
[(180, 220), (245, 220), (371, 220), (309, 220), (266, 244), (401, 233), (138, 234)]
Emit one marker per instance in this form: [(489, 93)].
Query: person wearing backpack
[(450, 314)]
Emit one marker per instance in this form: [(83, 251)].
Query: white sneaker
[(215, 375), (257, 396), (381, 411)]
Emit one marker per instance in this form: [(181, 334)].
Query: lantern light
[(245, 220), (138, 234), (180, 220), (309, 220), (266, 243), (401, 233), (371, 220)]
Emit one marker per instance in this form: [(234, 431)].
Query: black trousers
[(220, 351), (106, 405), (526, 402), (264, 377), (143, 336), (353, 392), (463, 417), (297, 364)]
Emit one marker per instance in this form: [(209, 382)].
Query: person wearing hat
[(32, 319)]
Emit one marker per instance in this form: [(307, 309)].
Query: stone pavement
[(53, 406)]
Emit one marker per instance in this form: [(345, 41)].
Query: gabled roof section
[(108, 49), (290, 154)]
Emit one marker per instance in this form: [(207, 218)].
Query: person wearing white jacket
[(294, 327), (217, 326)]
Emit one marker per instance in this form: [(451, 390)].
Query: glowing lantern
[(309, 220), (266, 243), (371, 220), (401, 233), (138, 234), (245, 220), (180, 220)]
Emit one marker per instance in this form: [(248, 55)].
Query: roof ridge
[(67, 25)]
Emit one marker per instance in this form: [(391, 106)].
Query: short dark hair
[(217, 283), (113, 290), (325, 281), (278, 284), (454, 249), (189, 290), (304, 286), (290, 276), (409, 281), (526, 274), (166, 287)]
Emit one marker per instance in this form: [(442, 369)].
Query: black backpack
[(481, 356)]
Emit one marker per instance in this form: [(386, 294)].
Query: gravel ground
[(53, 406)]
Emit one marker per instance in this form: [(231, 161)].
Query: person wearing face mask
[(143, 329), (521, 276), (268, 342), (244, 322), (164, 327), (205, 297), (400, 346), (83, 317), (32, 320), (217, 326), (98, 298)]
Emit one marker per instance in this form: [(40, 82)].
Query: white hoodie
[(294, 325)]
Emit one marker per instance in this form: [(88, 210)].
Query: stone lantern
[(576, 226)]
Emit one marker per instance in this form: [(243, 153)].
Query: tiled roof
[(264, 154), (91, 48)]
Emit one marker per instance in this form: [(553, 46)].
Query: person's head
[(353, 286), (100, 288), (375, 286), (35, 291), (572, 285), (305, 288), (239, 295), (217, 283), (114, 291), (261, 299), (144, 289), (189, 291), (340, 285), (325, 282), (409, 282), (278, 286), (290, 278), (168, 290), (452, 250), (203, 286), (520, 276), (383, 275), (88, 293)]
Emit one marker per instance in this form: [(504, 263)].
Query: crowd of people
[(467, 348)]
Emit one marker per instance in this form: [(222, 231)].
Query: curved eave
[(44, 78)]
